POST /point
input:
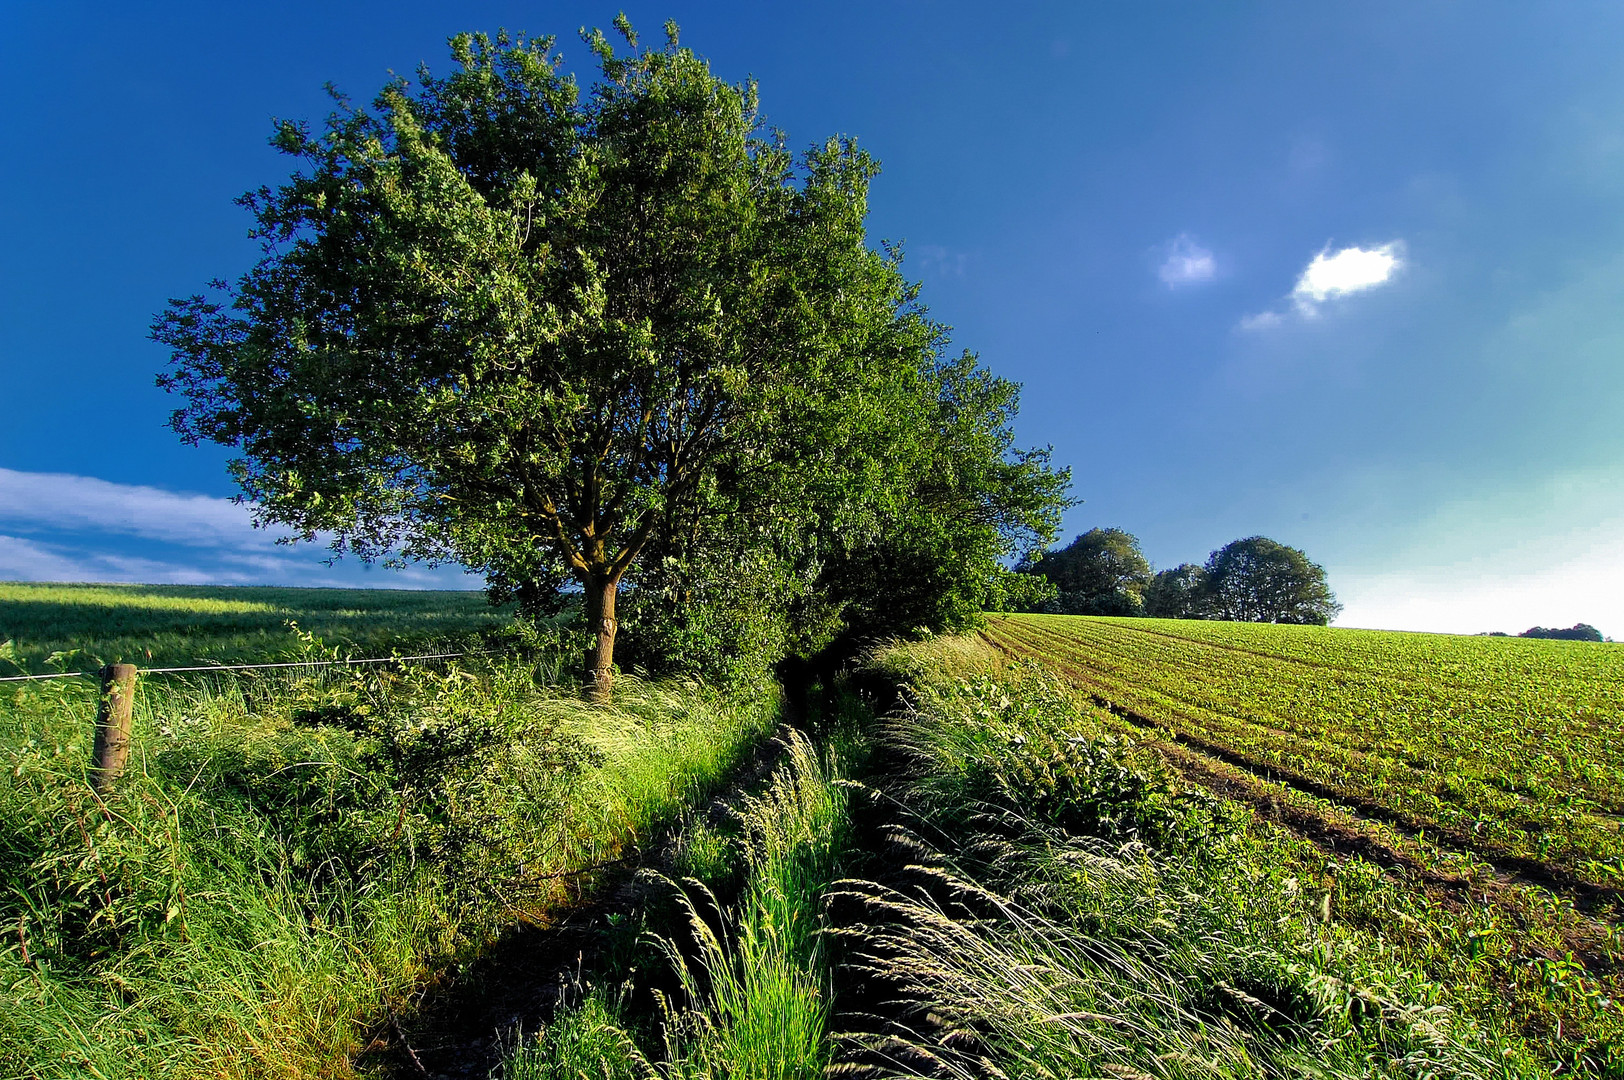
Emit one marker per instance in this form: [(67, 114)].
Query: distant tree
[(1179, 593), (1259, 580), (1102, 572), (1577, 632)]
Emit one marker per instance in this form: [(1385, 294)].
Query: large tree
[(549, 335), (1259, 580), (1101, 572), (1179, 593)]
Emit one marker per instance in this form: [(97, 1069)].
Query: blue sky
[(1349, 276)]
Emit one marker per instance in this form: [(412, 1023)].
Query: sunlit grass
[(177, 625), (753, 999), (289, 855)]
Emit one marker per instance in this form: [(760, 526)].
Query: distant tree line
[(1255, 579), (1576, 632)]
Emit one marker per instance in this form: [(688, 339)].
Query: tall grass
[(753, 992), (289, 857), (1072, 911)]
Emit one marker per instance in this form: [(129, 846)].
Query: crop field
[(1508, 748), (1481, 779)]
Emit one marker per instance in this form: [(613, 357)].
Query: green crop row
[(1468, 738)]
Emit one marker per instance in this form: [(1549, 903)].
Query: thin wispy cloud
[(1330, 276), (1263, 320), (1187, 263), (65, 502), (63, 527), (941, 261), (27, 560)]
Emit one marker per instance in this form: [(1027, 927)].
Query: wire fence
[(96, 673)]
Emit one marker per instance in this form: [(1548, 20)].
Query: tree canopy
[(1259, 580), (1576, 632), (1179, 593), (623, 335), (1101, 572)]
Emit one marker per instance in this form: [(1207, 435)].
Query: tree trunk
[(600, 620)]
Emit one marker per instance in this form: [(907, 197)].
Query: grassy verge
[(749, 982), (290, 856)]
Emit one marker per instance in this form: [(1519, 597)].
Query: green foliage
[(557, 336), (1021, 745), (1179, 593), (1576, 632), (1258, 580), (544, 417), (1102, 572), (291, 854), (968, 502), (586, 1042)]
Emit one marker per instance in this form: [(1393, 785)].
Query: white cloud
[(63, 501), (23, 559), (77, 528), (1330, 275), (1187, 263), (1350, 270), (1262, 320)]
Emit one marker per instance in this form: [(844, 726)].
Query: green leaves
[(543, 334)]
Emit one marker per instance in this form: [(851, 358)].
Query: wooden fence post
[(113, 721)]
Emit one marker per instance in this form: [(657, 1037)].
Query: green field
[(1482, 777), (1503, 746), (83, 626), (1080, 847)]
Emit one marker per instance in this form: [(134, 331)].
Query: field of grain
[(70, 627)]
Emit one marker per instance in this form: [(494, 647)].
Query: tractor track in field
[(1186, 752)]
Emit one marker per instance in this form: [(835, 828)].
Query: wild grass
[(289, 856), (752, 998), (1076, 913)]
